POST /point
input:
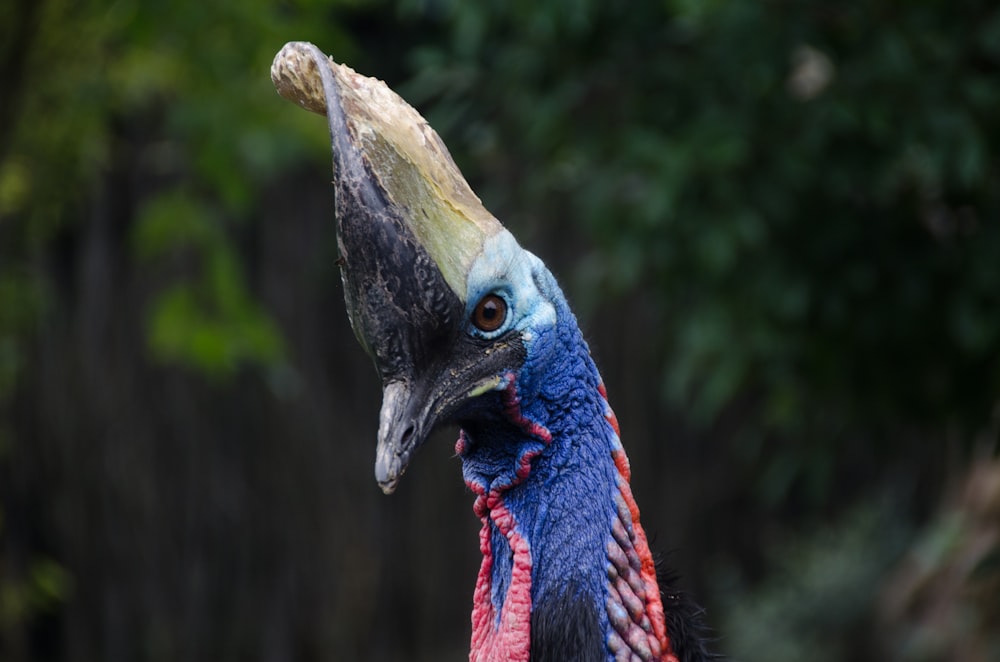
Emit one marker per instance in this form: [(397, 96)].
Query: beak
[(399, 432), (409, 228)]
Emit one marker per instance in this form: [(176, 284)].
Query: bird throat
[(550, 525), (501, 615)]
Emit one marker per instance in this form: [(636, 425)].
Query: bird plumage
[(551, 477), (468, 328)]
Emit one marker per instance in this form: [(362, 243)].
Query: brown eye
[(490, 313)]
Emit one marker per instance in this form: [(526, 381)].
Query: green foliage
[(46, 586), (824, 585), (196, 75), (211, 321)]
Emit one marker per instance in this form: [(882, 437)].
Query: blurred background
[(778, 221)]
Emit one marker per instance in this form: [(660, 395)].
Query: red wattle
[(508, 640)]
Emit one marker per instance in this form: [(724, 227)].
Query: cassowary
[(466, 327)]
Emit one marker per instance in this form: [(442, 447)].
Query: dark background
[(777, 220)]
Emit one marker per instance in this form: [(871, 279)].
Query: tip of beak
[(389, 468)]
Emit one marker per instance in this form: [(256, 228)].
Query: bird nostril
[(405, 438)]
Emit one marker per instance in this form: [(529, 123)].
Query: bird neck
[(563, 549)]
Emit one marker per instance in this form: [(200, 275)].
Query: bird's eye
[(490, 313)]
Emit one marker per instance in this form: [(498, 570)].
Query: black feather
[(566, 628), (689, 636)]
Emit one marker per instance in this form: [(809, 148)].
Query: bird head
[(439, 294), (464, 326)]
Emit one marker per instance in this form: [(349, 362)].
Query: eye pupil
[(490, 313)]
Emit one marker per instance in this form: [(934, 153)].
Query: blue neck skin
[(564, 506)]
